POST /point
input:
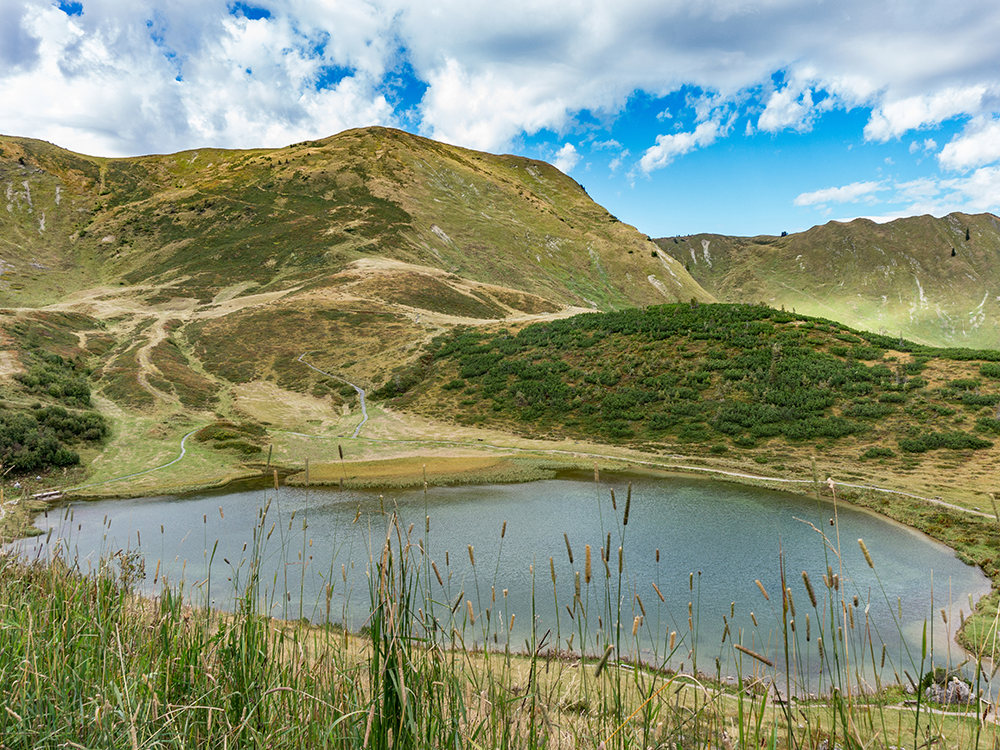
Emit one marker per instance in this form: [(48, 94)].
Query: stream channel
[(703, 543)]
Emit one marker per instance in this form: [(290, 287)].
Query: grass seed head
[(809, 589), (437, 573), (864, 550), (762, 589), (762, 659), (657, 590), (604, 659)]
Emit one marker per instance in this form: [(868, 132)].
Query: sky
[(679, 116)]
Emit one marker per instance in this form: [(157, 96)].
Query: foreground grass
[(85, 662)]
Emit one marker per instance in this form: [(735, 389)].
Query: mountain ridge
[(931, 280), (197, 218)]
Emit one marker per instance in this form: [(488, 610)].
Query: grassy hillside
[(199, 221), (189, 287), (723, 380), (926, 279)]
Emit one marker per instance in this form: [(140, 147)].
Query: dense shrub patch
[(59, 378), (37, 439), (933, 440)]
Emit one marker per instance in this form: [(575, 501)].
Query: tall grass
[(86, 662)]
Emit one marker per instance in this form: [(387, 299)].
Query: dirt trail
[(157, 332)]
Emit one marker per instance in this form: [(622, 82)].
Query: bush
[(951, 440), (878, 453), (33, 441)]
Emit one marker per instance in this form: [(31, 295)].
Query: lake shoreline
[(914, 512)]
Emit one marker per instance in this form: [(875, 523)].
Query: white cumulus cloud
[(566, 158), (846, 194), (977, 145), (791, 107), (894, 118), (128, 77), (669, 147)]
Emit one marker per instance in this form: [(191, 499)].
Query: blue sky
[(680, 117)]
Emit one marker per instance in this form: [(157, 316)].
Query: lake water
[(703, 543)]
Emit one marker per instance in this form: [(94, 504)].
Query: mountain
[(147, 296), (199, 221), (936, 281)]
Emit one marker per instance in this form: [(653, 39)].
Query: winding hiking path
[(183, 452), (358, 388)]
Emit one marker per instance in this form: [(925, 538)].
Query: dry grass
[(415, 471)]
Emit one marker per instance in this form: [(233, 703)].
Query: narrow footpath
[(359, 389)]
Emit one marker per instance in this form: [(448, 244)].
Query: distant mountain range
[(936, 281)]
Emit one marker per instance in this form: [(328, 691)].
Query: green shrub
[(876, 452), (37, 439), (951, 440)]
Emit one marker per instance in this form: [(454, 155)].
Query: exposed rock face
[(955, 692)]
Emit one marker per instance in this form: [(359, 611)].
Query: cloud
[(980, 191), (791, 107), (977, 145), (929, 144), (485, 111), (144, 75), (615, 164), (895, 118), (920, 189), (669, 147), (19, 46), (566, 158), (973, 193), (847, 194)]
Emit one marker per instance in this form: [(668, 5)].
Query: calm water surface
[(703, 543)]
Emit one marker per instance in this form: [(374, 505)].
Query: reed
[(85, 661)]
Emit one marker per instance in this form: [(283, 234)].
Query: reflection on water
[(698, 544)]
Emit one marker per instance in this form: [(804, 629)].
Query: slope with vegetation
[(172, 285), (196, 222), (720, 379), (46, 413), (926, 279)]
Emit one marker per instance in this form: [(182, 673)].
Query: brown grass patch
[(414, 471)]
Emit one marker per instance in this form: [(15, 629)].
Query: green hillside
[(722, 380), (185, 289), (931, 280), (201, 220), (241, 291)]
